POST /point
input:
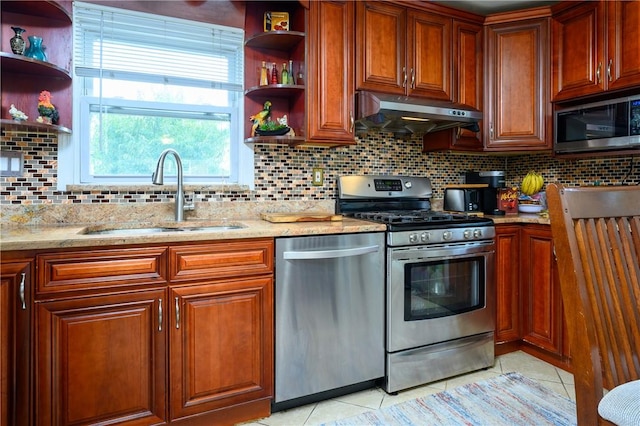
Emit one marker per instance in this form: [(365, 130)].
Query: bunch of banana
[(532, 183)]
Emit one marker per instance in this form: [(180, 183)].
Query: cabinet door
[(429, 63), (330, 61), (542, 322), (623, 62), (101, 359), (507, 283), (221, 345), (15, 300), (518, 107), (381, 35), (578, 51)]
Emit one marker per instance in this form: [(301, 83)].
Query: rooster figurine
[(48, 112), (260, 117)]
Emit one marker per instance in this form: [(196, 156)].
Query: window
[(144, 83)]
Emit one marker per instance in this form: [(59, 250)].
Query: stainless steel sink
[(160, 229)]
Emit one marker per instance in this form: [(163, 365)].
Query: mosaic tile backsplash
[(285, 174)]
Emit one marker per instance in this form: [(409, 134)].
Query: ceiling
[(487, 7)]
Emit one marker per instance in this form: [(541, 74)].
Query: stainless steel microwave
[(598, 126)]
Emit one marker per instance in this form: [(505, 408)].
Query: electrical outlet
[(318, 176)]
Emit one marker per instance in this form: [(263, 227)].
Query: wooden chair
[(596, 236)]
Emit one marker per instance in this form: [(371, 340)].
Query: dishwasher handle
[(329, 254)]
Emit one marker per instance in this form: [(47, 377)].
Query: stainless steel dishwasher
[(329, 314)]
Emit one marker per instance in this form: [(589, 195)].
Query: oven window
[(443, 287)]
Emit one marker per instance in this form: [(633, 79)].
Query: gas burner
[(394, 217)]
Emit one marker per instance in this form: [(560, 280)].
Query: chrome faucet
[(157, 179)]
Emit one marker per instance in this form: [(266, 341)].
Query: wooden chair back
[(596, 236)]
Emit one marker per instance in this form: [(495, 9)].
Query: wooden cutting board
[(300, 217)]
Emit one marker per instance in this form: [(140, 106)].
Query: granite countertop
[(36, 237)]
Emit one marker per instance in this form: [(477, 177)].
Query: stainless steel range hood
[(408, 116)]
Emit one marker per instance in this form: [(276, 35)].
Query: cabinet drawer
[(101, 269), (221, 260)]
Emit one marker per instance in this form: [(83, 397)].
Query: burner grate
[(410, 216)]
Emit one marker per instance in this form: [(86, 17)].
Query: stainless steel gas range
[(440, 284)]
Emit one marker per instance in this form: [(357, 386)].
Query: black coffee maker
[(495, 179)]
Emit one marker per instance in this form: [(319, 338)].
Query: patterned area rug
[(509, 399)]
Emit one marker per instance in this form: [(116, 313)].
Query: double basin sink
[(159, 229)]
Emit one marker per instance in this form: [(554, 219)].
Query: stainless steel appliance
[(404, 115), (598, 126), (440, 284), (463, 198), (329, 315)]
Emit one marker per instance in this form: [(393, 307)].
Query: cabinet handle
[(490, 130), (404, 76), (159, 314), (598, 72), (609, 70), (413, 78), (177, 312), (22, 291), (458, 132), (353, 122)]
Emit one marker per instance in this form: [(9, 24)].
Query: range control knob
[(424, 237), (447, 235), (468, 234), (413, 238), (477, 233), (408, 184)]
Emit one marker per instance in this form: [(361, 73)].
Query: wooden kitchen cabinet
[(468, 89), (596, 48), (221, 338), (221, 348), (275, 47), (15, 345), (529, 313), (102, 359), (508, 262), (178, 334), (403, 51), (517, 108), (543, 319), (330, 85), (23, 78)]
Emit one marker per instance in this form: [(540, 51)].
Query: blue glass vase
[(36, 49)]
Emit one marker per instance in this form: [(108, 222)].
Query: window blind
[(128, 45)]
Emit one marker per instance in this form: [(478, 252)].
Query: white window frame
[(73, 159)]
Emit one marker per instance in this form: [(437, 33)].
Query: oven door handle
[(329, 254)]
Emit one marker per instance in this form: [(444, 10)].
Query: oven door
[(438, 293)]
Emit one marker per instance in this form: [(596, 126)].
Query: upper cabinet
[(330, 87), (24, 77), (596, 48), (281, 46), (403, 51), (517, 107)]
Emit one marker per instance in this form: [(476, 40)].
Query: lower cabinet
[(221, 346), (529, 303), (15, 345), (102, 359), (177, 334)]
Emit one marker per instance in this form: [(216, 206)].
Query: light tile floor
[(372, 399)]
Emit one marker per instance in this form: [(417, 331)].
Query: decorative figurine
[(259, 118), (48, 112), (16, 114)]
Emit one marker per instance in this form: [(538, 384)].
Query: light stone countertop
[(36, 237), (44, 236)]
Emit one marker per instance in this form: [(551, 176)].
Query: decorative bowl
[(277, 132), (530, 208)]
